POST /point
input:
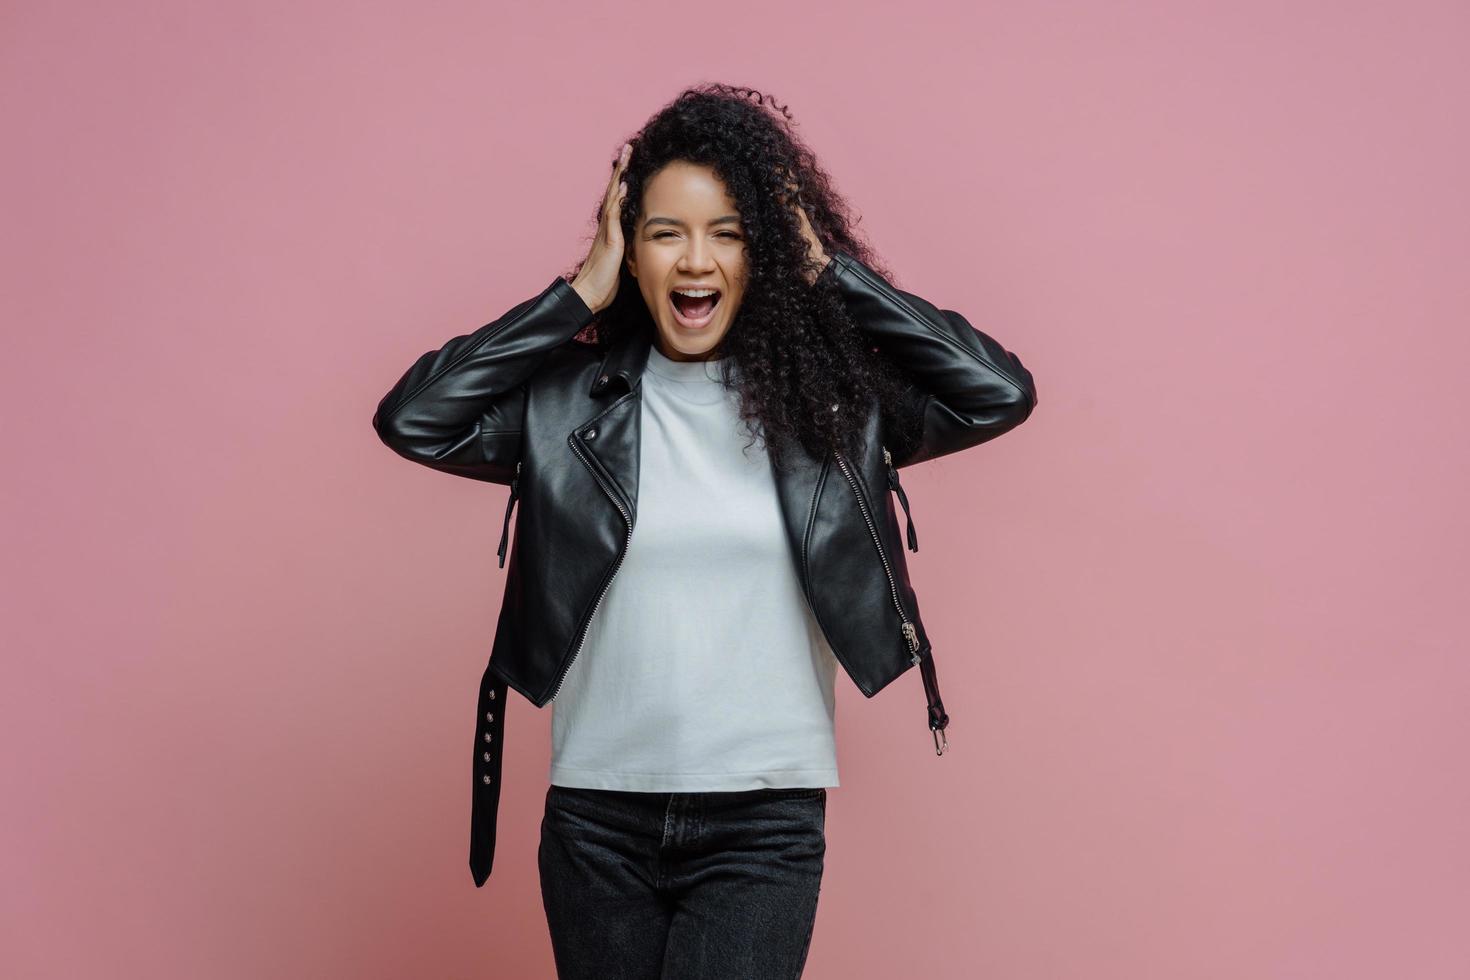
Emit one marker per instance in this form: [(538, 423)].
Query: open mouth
[(694, 308)]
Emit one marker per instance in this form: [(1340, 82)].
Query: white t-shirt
[(702, 668)]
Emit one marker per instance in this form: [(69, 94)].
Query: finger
[(610, 199), (614, 216), (621, 162), (611, 214), (617, 173)]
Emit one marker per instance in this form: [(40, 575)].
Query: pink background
[(1199, 622)]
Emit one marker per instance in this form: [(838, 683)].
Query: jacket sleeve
[(459, 409), (968, 388)]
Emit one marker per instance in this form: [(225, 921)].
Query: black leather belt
[(938, 720), (489, 747)]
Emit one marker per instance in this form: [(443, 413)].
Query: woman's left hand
[(815, 253)]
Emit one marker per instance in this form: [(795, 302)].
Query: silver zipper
[(606, 585), (910, 633)]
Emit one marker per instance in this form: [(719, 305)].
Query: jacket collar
[(624, 361)]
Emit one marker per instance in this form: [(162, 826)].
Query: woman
[(701, 429)]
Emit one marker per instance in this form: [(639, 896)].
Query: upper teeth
[(696, 292)]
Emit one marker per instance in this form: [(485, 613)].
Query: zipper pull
[(938, 718), (903, 498), (912, 635), (510, 503)]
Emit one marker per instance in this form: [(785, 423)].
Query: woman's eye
[(723, 234)]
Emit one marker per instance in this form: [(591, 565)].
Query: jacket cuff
[(571, 303)]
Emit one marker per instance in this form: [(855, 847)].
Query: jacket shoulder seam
[(858, 271)]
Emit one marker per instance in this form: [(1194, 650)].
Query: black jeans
[(682, 886)]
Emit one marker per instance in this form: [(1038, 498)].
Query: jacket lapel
[(609, 438)]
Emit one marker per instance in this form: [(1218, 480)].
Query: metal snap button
[(487, 736), (489, 716), (589, 433), (492, 695), (487, 756), (485, 778)]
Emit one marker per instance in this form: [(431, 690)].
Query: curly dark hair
[(798, 350)]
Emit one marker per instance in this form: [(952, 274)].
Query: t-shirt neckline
[(693, 372)]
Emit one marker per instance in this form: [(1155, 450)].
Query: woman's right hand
[(597, 282)]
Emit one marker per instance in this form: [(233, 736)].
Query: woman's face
[(688, 235)]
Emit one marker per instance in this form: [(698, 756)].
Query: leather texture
[(521, 403)]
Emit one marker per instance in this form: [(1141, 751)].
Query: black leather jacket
[(519, 402)]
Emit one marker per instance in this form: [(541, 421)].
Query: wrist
[(587, 298)]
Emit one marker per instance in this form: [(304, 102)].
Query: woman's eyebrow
[(724, 220)]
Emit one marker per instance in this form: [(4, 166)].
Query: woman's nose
[(697, 256)]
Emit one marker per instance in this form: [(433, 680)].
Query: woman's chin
[(690, 344)]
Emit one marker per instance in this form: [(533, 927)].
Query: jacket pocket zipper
[(515, 483), (910, 634), (627, 520), (903, 498), (938, 719)]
